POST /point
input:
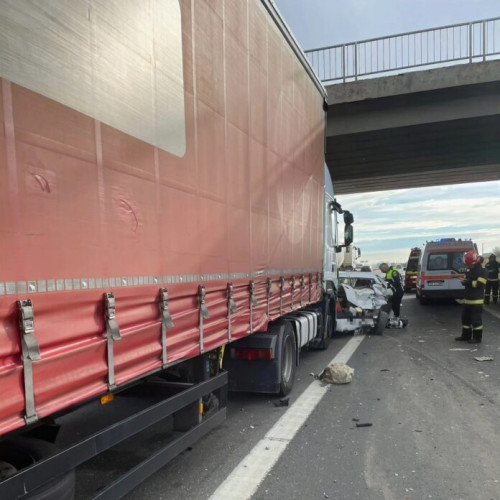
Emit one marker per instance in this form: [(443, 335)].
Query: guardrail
[(466, 42)]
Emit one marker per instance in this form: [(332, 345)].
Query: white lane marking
[(492, 311), (244, 480)]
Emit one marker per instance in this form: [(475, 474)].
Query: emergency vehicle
[(411, 269), (441, 269)]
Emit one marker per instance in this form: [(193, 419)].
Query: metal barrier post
[(484, 40), (356, 61), (470, 42), (343, 63)]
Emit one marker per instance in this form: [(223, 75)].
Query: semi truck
[(167, 227)]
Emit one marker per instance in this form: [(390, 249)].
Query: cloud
[(388, 224)]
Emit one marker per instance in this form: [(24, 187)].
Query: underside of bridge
[(415, 139)]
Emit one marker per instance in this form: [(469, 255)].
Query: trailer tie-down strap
[(30, 351), (231, 309), (269, 293), (301, 289), (202, 302), (166, 322), (310, 288), (253, 302), (292, 288), (112, 335), (282, 291)]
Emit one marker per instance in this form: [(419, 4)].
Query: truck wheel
[(288, 350), (22, 452)]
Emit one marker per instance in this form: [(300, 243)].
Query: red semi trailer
[(162, 197)]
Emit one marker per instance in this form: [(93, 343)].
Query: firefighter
[(393, 277), (474, 283), (492, 267)]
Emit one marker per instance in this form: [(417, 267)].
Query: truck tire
[(288, 355), (22, 452)]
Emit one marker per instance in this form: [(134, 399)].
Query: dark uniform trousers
[(472, 322), (492, 269), (491, 289)]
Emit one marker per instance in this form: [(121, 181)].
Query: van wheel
[(288, 350), (423, 300), (21, 452)]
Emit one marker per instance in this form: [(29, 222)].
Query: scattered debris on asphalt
[(460, 349), (355, 419), (385, 370), (483, 358), (337, 373), (282, 402), (363, 424)]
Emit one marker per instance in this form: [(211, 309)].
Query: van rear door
[(444, 271)]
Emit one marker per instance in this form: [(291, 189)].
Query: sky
[(389, 223)]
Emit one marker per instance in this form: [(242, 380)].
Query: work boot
[(475, 340), (463, 339)]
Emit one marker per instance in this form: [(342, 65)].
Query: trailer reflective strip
[(244, 480), (72, 284)]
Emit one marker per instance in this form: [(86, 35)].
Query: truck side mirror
[(348, 235), (348, 218)]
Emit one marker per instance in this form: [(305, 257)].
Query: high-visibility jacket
[(393, 276), (492, 267), (475, 281)]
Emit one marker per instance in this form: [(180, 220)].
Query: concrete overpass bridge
[(415, 109)]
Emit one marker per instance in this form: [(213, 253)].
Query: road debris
[(337, 373), (363, 424), (385, 370), (282, 402), (460, 349), (483, 358)]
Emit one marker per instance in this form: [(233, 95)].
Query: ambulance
[(411, 269), (441, 269)]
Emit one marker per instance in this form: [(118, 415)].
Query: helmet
[(472, 258)]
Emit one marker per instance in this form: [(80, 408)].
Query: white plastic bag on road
[(337, 373)]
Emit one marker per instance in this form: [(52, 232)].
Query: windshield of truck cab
[(446, 261)]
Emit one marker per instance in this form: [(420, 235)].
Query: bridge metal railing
[(434, 47)]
